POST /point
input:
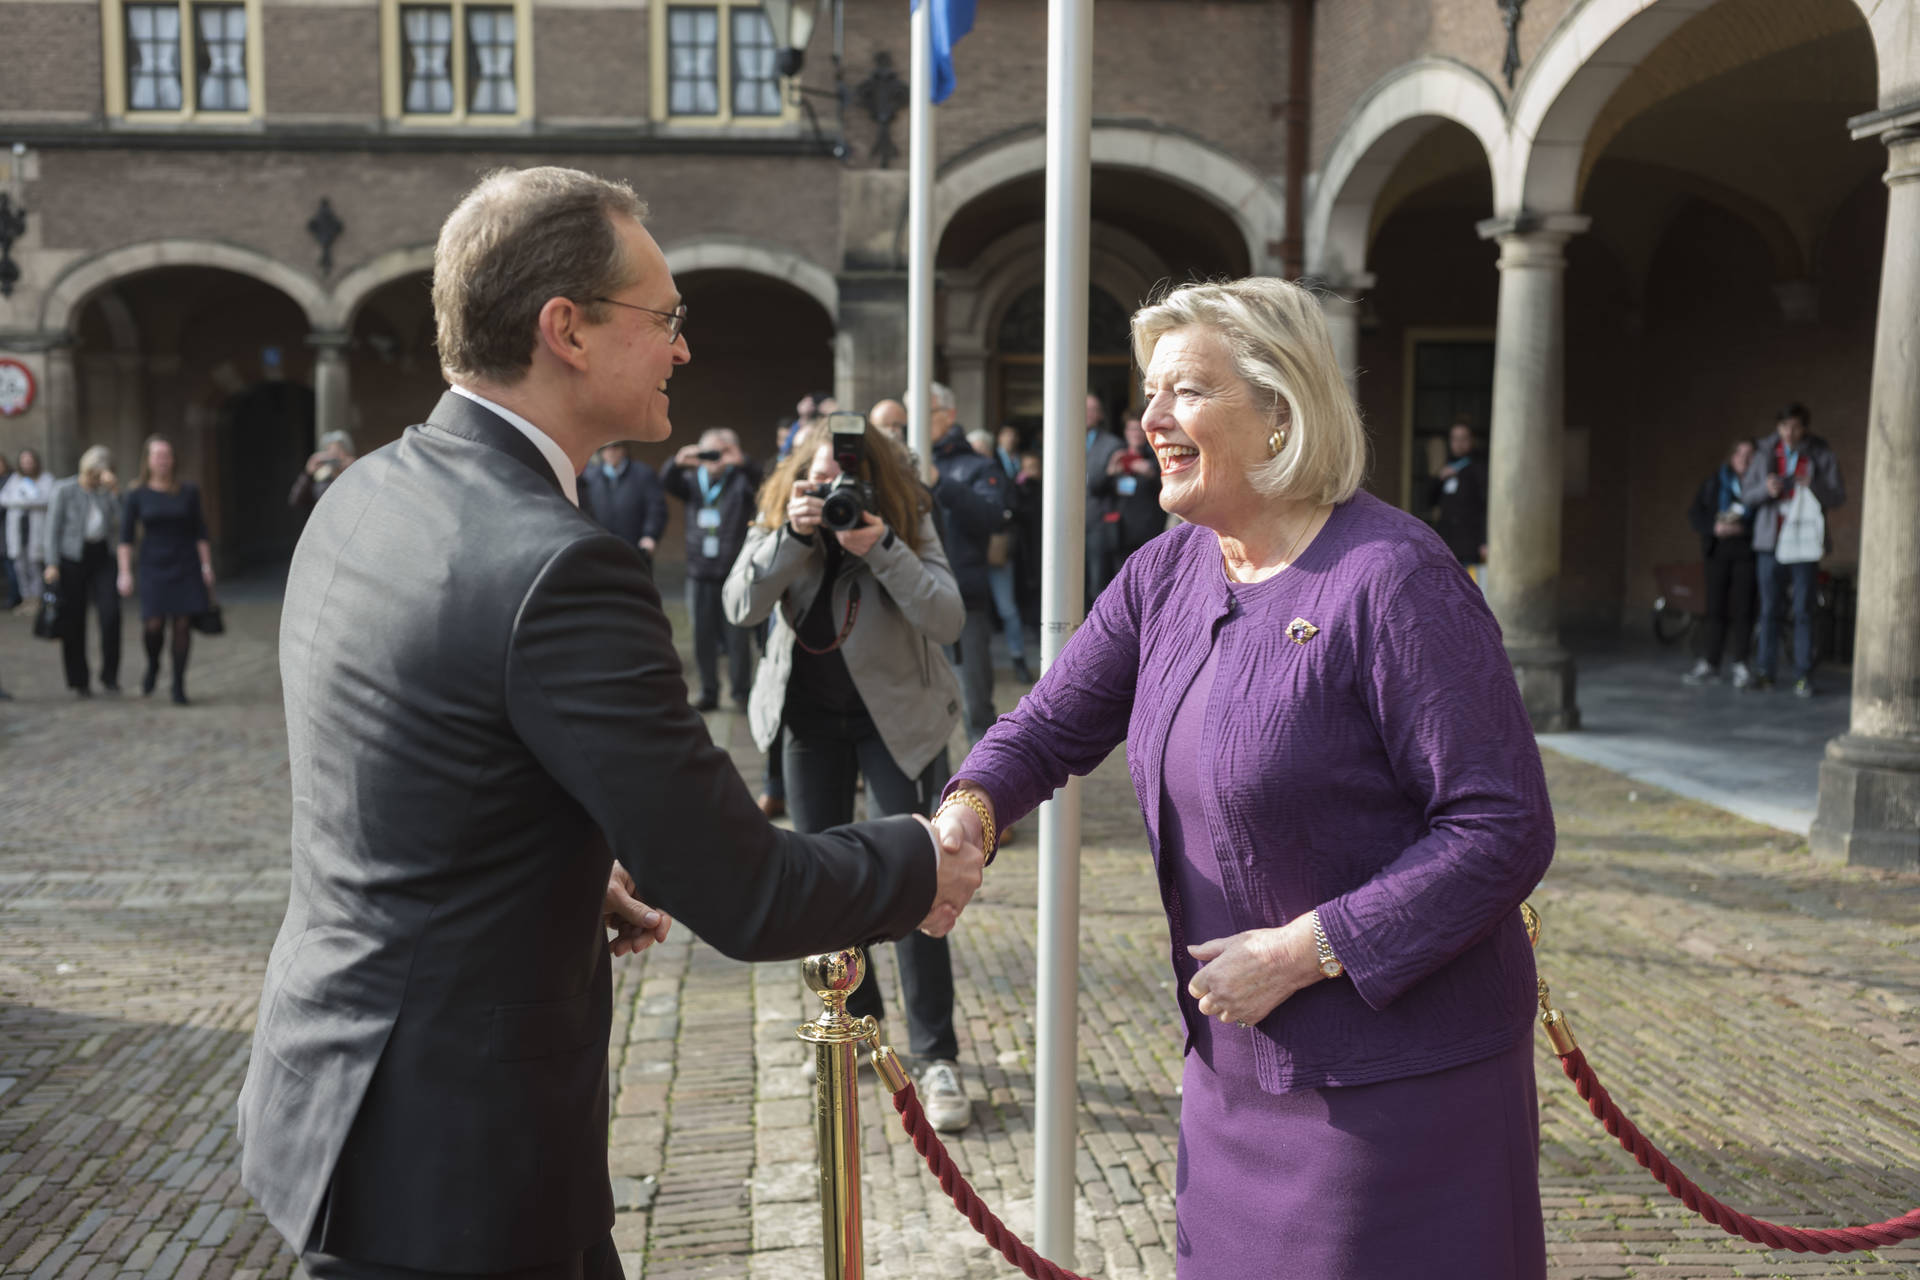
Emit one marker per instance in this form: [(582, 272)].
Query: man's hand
[(1775, 486), (635, 925), (962, 866), (860, 541), (50, 575), (687, 456), (318, 460), (647, 545)]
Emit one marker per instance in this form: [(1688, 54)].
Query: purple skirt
[(1434, 1175)]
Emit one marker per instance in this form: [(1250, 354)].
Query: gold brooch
[(1300, 631)]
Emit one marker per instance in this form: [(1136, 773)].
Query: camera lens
[(841, 510)]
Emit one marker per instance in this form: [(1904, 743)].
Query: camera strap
[(846, 627)]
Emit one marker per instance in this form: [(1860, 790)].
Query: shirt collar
[(556, 456)]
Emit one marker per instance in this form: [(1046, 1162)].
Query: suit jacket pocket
[(545, 1030)]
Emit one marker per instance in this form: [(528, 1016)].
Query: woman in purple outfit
[(1346, 808)]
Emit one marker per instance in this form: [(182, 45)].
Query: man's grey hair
[(720, 436), (981, 439), (340, 438), (940, 397), (519, 239)]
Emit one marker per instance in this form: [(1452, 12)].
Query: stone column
[(62, 452), (1869, 810), (870, 348), (1524, 459), (332, 389), (1340, 304)]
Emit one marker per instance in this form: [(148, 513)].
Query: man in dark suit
[(624, 497), (1103, 509), (492, 753)]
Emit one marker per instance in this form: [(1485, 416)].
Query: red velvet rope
[(928, 1144), (1773, 1235)]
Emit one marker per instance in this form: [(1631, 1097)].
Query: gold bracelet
[(979, 806)]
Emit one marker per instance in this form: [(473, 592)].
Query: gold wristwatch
[(1329, 963)]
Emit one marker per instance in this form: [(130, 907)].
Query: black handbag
[(210, 623), (46, 623)]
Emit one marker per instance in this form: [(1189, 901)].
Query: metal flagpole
[(1062, 606), (920, 162)]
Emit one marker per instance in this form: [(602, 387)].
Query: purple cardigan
[(1384, 771)]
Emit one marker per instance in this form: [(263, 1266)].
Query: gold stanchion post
[(836, 1037)]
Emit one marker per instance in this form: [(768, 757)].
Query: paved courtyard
[(1757, 1013)]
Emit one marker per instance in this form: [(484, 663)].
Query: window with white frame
[(179, 58), (717, 62), (457, 62)]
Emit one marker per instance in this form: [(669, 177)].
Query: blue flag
[(950, 20)]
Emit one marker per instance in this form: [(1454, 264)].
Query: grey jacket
[(1824, 480), (66, 537), (484, 709), (25, 499), (904, 679)]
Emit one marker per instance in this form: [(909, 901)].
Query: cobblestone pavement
[(1756, 1013)]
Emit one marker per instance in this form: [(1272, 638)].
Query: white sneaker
[(1703, 672), (941, 1097), (1742, 676)]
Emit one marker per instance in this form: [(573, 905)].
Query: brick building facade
[(1616, 233)]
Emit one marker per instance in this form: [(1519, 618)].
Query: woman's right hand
[(957, 824), (51, 577), (803, 509), (125, 584)]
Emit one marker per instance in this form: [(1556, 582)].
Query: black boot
[(179, 692)]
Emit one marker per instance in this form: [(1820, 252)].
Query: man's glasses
[(676, 319)]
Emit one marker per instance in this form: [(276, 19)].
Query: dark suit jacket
[(630, 507), (479, 681)]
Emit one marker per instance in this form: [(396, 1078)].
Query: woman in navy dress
[(1345, 805), (176, 561)]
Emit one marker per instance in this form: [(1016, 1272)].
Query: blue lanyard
[(709, 492)]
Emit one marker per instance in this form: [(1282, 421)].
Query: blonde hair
[(518, 239), (1280, 346), (897, 492), (95, 460)]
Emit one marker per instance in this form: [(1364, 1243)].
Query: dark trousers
[(600, 1261), (10, 590), (1801, 579), (89, 579), (824, 753), (1730, 587), (712, 635), (974, 656)]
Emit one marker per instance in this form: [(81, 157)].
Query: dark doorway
[(265, 438)]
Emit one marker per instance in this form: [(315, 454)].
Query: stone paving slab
[(1757, 1014)]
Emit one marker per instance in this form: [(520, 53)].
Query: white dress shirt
[(556, 456)]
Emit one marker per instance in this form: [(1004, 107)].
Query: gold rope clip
[(1559, 1030)]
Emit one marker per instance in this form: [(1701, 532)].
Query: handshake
[(633, 926)]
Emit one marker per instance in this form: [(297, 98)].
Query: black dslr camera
[(846, 499)]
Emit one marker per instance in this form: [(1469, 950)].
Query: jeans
[(1802, 577), (974, 657), (89, 579), (1730, 589), (713, 633), (824, 753), (1000, 578)]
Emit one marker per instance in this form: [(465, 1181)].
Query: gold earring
[(1275, 443)]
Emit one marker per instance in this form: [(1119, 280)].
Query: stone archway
[(1384, 127), (1255, 205), (757, 257), (355, 287), (80, 281)]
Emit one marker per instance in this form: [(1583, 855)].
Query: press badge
[(1127, 485), (710, 547), (1451, 486), (709, 518)]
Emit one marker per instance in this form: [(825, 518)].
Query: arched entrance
[(392, 366), (1146, 231), (218, 361)]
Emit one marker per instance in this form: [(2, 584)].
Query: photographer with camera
[(717, 482), (845, 559), (334, 456), (1790, 485)]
